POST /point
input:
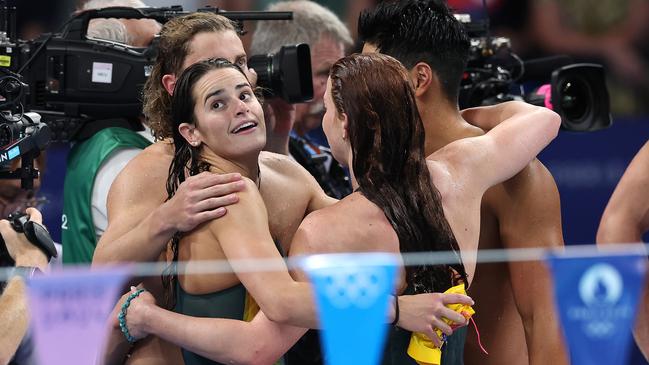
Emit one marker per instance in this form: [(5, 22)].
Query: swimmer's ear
[(169, 83), (344, 124), (190, 133), (423, 78)]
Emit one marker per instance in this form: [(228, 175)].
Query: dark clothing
[(228, 303), (319, 162), (231, 303)]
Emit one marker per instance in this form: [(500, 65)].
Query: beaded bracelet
[(122, 315)]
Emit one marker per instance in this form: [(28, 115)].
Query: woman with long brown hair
[(373, 127)]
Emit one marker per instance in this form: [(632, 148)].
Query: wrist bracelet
[(396, 311), (25, 272), (122, 316)]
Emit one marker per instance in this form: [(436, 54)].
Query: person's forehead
[(207, 45), (223, 78), (327, 49)]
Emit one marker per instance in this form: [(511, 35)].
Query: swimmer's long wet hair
[(186, 157), (387, 141)]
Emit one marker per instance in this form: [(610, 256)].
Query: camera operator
[(94, 163), (287, 129), (521, 212), (13, 302)]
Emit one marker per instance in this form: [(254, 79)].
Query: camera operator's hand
[(201, 198), (25, 253)]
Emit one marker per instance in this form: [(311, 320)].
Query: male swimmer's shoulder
[(149, 166), (283, 165), (159, 148), (533, 179), (534, 189), (158, 154), (276, 160)]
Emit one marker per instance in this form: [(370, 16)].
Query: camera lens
[(580, 97), (285, 74), (576, 98)]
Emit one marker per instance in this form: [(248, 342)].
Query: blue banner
[(597, 299), (352, 295)]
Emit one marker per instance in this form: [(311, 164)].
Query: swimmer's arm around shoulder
[(480, 162), (244, 235), (140, 222), (487, 117), (228, 341)]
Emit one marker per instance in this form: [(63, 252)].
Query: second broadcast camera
[(494, 74)]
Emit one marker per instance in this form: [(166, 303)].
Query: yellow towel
[(421, 348)]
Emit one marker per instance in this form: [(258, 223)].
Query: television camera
[(79, 85), (494, 74)]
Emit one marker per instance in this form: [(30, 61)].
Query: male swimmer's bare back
[(288, 191), (521, 212)]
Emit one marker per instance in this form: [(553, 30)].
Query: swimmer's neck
[(443, 124), (247, 165)]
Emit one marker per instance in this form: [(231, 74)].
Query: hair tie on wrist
[(396, 311), (122, 316)]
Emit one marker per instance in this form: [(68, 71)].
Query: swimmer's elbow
[(552, 122), (100, 256), (287, 308), (104, 255), (278, 313)]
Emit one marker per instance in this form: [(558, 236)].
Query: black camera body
[(74, 79), (577, 92), (71, 81)]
